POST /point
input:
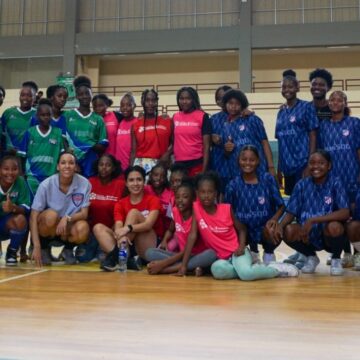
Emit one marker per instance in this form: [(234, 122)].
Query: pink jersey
[(217, 230), (188, 138), (182, 231), (111, 124), (123, 142)]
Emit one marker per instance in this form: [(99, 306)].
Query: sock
[(16, 237), (336, 245), (347, 246), (356, 246)]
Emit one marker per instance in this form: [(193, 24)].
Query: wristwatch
[(68, 218), (130, 228)]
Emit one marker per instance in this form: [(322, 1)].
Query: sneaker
[(357, 261), (347, 260), (46, 256), (328, 260), (285, 270), (336, 268), (300, 261), (255, 257), (11, 257), (292, 259), (134, 263), (110, 263), (268, 258), (310, 265), (68, 255)]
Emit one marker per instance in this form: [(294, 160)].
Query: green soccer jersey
[(83, 132), (41, 152), (19, 195), (15, 123)]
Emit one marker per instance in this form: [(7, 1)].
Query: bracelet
[(68, 218), (130, 227)]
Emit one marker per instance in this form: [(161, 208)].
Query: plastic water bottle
[(123, 255)]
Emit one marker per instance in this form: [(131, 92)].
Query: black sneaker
[(110, 263), (11, 257), (134, 263)]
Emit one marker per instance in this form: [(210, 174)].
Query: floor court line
[(22, 276)]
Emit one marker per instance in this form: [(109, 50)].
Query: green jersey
[(15, 123), (41, 152), (19, 195), (83, 132)]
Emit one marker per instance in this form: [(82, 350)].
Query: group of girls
[(164, 224)]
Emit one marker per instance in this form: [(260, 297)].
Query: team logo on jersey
[(179, 228), (145, 213), (328, 200), (242, 127), (261, 200), (346, 132), (292, 119), (92, 122), (14, 194), (203, 224), (53, 141), (77, 199), (72, 119)]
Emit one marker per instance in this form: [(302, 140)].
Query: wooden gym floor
[(78, 312)]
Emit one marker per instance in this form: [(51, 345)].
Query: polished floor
[(78, 312)]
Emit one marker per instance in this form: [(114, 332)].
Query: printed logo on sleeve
[(77, 199)]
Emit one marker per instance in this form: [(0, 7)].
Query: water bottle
[(123, 255)]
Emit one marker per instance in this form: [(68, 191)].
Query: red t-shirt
[(103, 199), (147, 204), (165, 198), (152, 141)]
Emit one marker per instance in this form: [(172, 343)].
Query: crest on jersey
[(346, 132), (242, 127), (261, 200), (77, 199), (328, 200), (292, 119), (53, 141)]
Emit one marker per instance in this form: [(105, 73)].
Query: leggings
[(203, 260), (243, 268)]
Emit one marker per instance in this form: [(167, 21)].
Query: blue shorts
[(316, 236), (4, 233)]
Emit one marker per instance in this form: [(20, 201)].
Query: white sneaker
[(357, 261), (347, 260), (285, 270), (336, 268), (310, 264), (268, 258), (255, 257)]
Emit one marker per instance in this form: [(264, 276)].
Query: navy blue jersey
[(217, 151), (342, 140), (310, 200), (293, 126), (244, 131), (254, 204), (56, 123), (356, 213)]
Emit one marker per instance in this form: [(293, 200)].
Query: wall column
[(245, 45), (69, 59)]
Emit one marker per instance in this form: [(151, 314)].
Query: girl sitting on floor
[(167, 262)]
